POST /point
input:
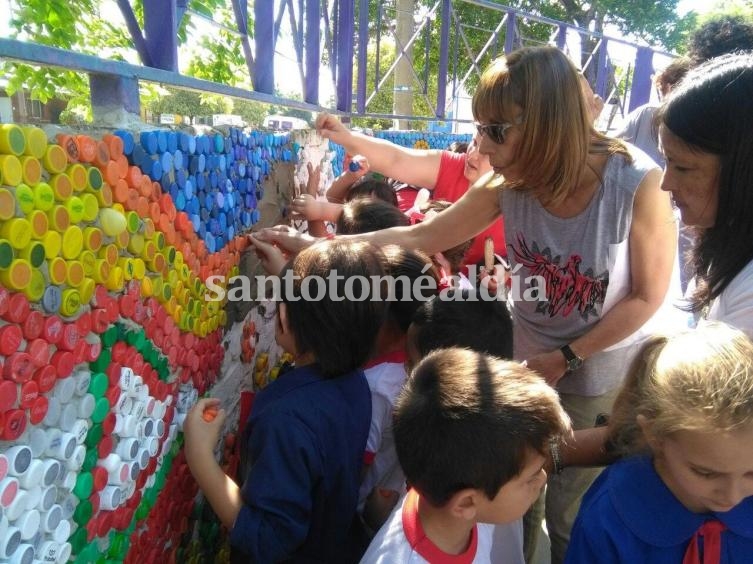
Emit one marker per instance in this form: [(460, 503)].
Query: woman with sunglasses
[(590, 237)]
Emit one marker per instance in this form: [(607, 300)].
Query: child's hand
[(284, 237), (308, 206), (312, 184), (202, 431), (270, 255), (362, 168)]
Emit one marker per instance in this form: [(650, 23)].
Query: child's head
[(470, 432), (455, 256), (470, 322), (406, 267), (369, 187), (689, 400), (365, 215), (315, 320)]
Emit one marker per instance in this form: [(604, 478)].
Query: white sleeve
[(735, 305)]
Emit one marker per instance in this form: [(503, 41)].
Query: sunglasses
[(495, 131)]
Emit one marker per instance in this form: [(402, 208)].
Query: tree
[(191, 104)]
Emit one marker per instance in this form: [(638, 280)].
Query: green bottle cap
[(6, 254), (102, 362), (83, 489), (92, 439), (78, 541), (110, 336), (101, 409), (98, 384), (90, 460), (83, 511)]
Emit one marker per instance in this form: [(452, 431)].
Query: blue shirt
[(306, 444), (629, 515)]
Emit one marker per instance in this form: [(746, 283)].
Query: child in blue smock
[(307, 430), (686, 494)]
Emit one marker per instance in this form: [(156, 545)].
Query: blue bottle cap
[(148, 141), (172, 141), (161, 140), (51, 299)]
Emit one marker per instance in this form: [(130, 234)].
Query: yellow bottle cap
[(36, 141), (147, 290), (7, 254), (73, 242), (77, 173), (139, 269), (55, 159), (35, 290), (12, 141), (33, 253), (75, 209), (115, 280), (133, 223), (86, 290), (148, 227), (109, 253), (88, 259), (178, 260), (40, 225), (159, 240), (167, 292), (177, 313), (136, 244), (7, 204), (52, 242), (91, 207), (122, 240), (172, 278), (112, 221), (31, 170), (104, 196), (126, 265), (10, 167), (61, 186), (24, 199), (44, 196), (57, 271), (157, 285), (92, 238), (150, 249), (101, 271), (70, 302), (59, 218), (75, 273), (204, 329), (17, 276), (17, 231)]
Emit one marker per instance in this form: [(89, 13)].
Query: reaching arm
[(412, 166), (338, 190)]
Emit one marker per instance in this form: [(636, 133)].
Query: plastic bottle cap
[(91, 207), (33, 253), (75, 273), (7, 204), (17, 231), (28, 525), (62, 186), (36, 141), (78, 175), (31, 170), (52, 242), (11, 338), (55, 159), (59, 218), (15, 424), (70, 301), (40, 224), (35, 289), (73, 242), (11, 170), (39, 351), (75, 209), (44, 196), (113, 222), (17, 276), (57, 270), (6, 254)]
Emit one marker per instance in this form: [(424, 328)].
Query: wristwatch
[(573, 360)]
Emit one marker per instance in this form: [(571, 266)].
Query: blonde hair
[(700, 380), (557, 132)]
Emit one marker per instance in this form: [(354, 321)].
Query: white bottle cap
[(65, 552), (24, 554), (3, 525), (110, 463), (62, 448), (120, 476), (128, 448), (68, 416), (82, 378), (159, 410), (128, 425), (64, 390), (28, 524), (10, 542), (54, 436), (80, 430), (33, 476), (48, 551), (48, 498), (130, 489), (153, 446), (19, 459), (17, 506), (3, 466), (33, 497), (51, 519), (86, 405), (61, 534), (159, 428), (137, 385), (124, 405), (53, 411), (137, 408), (110, 497), (133, 469), (143, 458), (52, 470), (68, 504), (36, 439), (76, 461), (67, 479), (148, 427), (126, 379), (8, 491)]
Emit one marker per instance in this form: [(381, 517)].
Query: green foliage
[(191, 104), (253, 113)]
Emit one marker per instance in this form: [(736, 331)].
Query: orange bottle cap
[(7, 204), (78, 176), (102, 154), (40, 225), (61, 186), (115, 145), (59, 218), (75, 273), (92, 238), (57, 270), (110, 254), (31, 170), (69, 145), (87, 148)]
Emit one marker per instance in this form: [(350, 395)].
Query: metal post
[(561, 37), (640, 91), (344, 47), (510, 32), (602, 69), (161, 30), (363, 51), (264, 70), (311, 87), (444, 50)]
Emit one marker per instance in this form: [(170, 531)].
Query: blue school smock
[(629, 515), (306, 440)]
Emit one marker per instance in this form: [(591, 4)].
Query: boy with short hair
[(470, 432)]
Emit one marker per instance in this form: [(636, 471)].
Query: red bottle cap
[(45, 377), (113, 395), (18, 367), (100, 321), (80, 351), (84, 323), (69, 338), (39, 351), (108, 426), (38, 410), (53, 329), (127, 306), (4, 299), (104, 523), (103, 449), (15, 424), (63, 362), (18, 308), (34, 325), (29, 394), (10, 339), (93, 351), (99, 476), (119, 350), (113, 311), (8, 396)]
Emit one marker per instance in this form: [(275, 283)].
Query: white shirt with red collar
[(402, 539)]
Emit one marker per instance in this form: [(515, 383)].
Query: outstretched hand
[(551, 366), (202, 433), (329, 127), (284, 237)]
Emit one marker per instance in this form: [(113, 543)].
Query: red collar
[(394, 357), (418, 540)]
